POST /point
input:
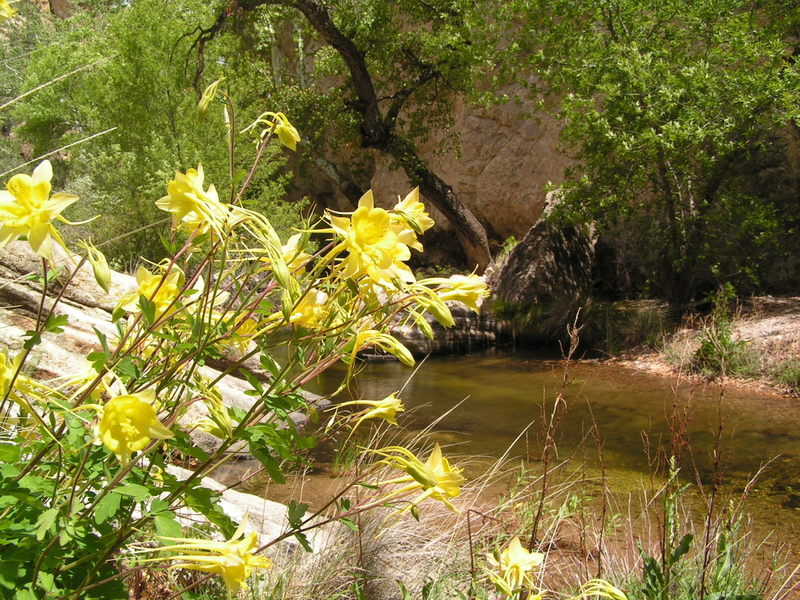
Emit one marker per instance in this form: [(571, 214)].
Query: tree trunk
[(470, 233), (377, 130)]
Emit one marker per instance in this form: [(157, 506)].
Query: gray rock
[(470, 332), (551, 264)]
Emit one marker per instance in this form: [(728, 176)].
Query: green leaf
[(25, 593), (148, 310), (133, 490), (682, 548), (182, 442), (101, 337), (268, 461), (167, 525), (205, 501), (369, 486), (301, 537), (47, 582), (295, 513), (404, 593), (33, 339), (127, 367), (56, 323), (9, 453), (45, 523), (11, 572), (107, 507), (348, 523), (158, 505), (253, 380)]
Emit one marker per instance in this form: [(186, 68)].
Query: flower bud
[(207, 98), (102, 272)]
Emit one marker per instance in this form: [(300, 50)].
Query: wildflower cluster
[(516, 572), (89, 452)]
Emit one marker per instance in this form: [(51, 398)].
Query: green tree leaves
[(664, 103)]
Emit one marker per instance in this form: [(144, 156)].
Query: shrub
[(788, 374), (720, 353)]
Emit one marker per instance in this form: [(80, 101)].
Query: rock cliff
[(504, 161)]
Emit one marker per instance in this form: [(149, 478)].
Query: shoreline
[(767, 327)]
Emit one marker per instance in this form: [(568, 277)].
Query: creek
[(498, 394)]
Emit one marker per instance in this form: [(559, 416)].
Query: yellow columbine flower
[(599, 588), (128, 423), (467, 289), (7, 370), (243, 334), (514, 565), (234, 560), (410, 218), (375, 250), (385, 409), (26, 208), (435, 477), (192, 208), (219, 422), (161, 290), (277, 122), (312, 310), (294, 258), (293, 255), (384, 341), (6, 11)]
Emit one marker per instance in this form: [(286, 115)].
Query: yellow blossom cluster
[(234, 560), (515, 567), (6, 11), (194, 209), (435, 477), (340, 295)]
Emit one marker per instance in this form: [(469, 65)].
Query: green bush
[(720, 352), (788, 374)]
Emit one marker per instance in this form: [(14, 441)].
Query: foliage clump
[(675, 112)]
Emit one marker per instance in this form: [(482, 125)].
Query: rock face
[(470, 332), (551, 263), (505, 161), (88, 310)]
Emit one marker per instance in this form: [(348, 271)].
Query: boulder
[(504, 160), (552, 263)]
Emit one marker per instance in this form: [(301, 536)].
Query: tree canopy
[(132, 82), (669, 107), (384, 75), (680, 117)]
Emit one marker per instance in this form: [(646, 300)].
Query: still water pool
[(503, 392)]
